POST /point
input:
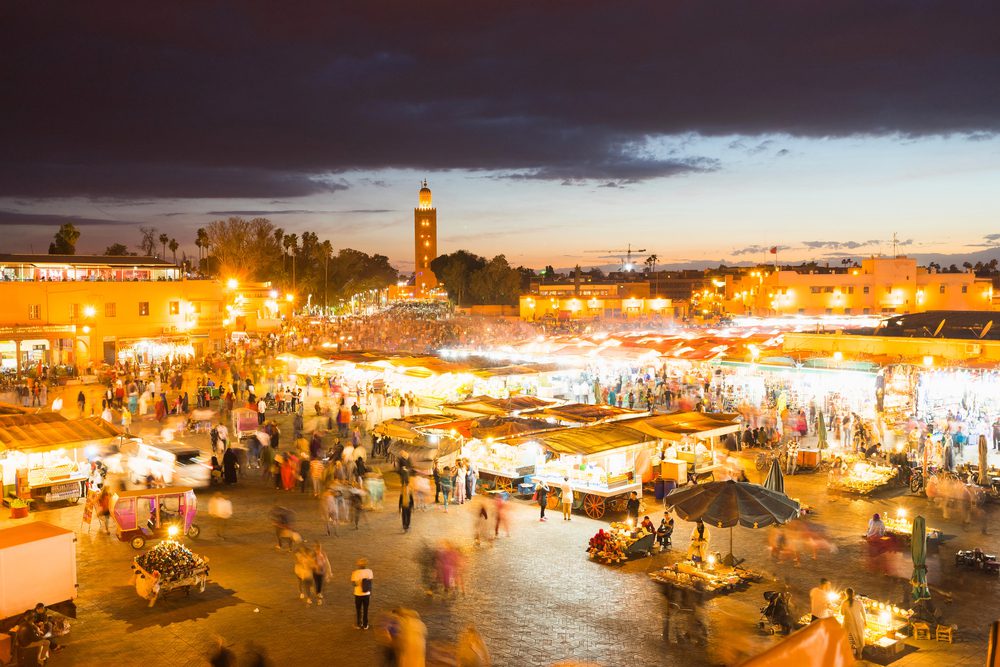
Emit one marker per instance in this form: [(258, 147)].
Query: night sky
[(699, 130)]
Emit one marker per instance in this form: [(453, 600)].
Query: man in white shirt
[(566, 490), (819, 602), (261, 409), (362, 579)]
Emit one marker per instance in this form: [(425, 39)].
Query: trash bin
[(658, 488), (668, 486)]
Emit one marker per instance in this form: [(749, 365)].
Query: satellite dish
[(939, 327), (986, 329)]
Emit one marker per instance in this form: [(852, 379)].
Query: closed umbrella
[(918, 549), (775, 480), (821, 442), (984, 461), (726, 504)]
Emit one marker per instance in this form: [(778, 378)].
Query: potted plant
[(19, 508)]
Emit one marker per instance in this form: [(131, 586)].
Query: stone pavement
[(535, 596)]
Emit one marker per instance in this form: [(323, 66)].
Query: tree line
[(471, 279), (257, 250)]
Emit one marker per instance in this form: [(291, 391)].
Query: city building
[(596, 300), (256, 307), (81, 311), (880, 285), (424, 242)]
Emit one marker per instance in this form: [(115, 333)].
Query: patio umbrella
[(821, 443), (984, 461), (918, 548), (775, 478), (726, 504)]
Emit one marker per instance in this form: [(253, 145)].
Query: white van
[(172, 462)]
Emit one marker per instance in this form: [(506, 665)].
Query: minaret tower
[(424, 242)]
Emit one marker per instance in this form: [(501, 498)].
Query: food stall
[(41, 457), (694, 437), (418, 447), (885, 623), (499, 463), (600, 462), (714, 578), (862, 477), (899, 525), (620, 542)]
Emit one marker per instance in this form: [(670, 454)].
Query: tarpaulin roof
[(11, 409), (679, 424), (404, 428), (581, 413), (585, 440), (495, 427), (42, 432), (487, 405)]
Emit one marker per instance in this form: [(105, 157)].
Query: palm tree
[(163, 241), (291, 243), (651, 267), (174, 245)]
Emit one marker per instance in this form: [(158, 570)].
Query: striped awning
[(50, 430)]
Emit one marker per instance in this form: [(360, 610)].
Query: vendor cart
[(619, 543), (150, 585)]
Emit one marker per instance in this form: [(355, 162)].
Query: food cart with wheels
[(146, 514), (166, 567), (600, 462), (43, 457)]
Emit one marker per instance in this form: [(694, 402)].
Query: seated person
[(665, 531), (876, 529), (647, 525), (779, 611)]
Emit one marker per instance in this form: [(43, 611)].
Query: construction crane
[(627, 264)]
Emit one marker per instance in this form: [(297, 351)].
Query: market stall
[(483, 445), (885, 623), (714, 577), (42, 457), (600, 462), (899, 525), (620, 542), (861, 477), (693, 438)]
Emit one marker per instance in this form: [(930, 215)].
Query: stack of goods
[(903, 527), (863, 478), (171, 560), (608, 547), (685, 575)]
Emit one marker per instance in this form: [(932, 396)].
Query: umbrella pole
[(730, 559)]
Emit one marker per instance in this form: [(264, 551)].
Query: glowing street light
[(89, 311), (232, 283)]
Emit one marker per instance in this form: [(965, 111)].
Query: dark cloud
[(756, 250), (18, 219), (853, 245), (267, 100), (261, 213)]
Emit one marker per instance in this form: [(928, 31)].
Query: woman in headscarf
[(699, 542), (229, 466)]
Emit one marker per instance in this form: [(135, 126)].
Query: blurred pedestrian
[(362, 578), (321, 571), (305, 563), (406, 502), (329, 509), (853, 613), (566, 490), (471, 650), (220, 509), (445, 482)]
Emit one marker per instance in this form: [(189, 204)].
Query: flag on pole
[(774, 250)]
